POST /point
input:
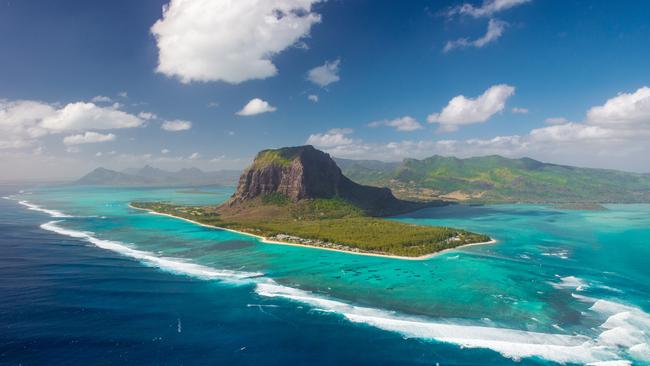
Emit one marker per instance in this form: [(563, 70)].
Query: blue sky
[(405, 79)]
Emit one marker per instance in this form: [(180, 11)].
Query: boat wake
[(624, 334)]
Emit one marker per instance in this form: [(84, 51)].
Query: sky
[(208, 83)]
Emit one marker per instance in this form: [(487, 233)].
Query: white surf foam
[(174, 265), (515, 344), (53, 213), (570, 282)]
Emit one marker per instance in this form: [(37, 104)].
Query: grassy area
[(280, 157), (495, 179), (330, 223)]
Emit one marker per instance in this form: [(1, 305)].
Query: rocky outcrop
[(304, 172)]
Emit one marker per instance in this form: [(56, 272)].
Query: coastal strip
[(271, 241)]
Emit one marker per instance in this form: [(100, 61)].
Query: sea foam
[(174, 265), (53, 213), (515, 344)]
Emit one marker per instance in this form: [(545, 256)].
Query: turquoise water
[(559, 285)]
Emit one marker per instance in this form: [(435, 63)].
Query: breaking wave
[(53, 213), (174, 265), (625, 333)]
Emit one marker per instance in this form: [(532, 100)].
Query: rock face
[(304, 172)]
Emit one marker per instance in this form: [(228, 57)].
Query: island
[(299, 196)]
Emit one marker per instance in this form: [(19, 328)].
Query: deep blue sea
[(86, 280)]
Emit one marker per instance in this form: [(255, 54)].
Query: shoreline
[(269, 241)]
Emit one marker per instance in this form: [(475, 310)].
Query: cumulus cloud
[(626, 110), (84, 116), (194, 156), (88, 138), (325, 74), (406, 123), (231, 41), (613, 135), (487, 8), (331, 138), (313, 98), (256, 106), (556, 120), (176, 125), (495, 30), (164, 151), (101, 99), (462, 110), (147, 116), (23, 122), (520, 110)]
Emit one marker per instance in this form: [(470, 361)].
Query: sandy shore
[(269, 241)]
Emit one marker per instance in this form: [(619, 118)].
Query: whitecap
[(573, 282), (515, 344), (169, 264), (53, 213)]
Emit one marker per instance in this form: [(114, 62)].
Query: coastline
[(269, 241)]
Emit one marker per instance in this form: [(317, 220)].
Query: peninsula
[(298, 196)]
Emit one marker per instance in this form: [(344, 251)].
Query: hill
[(150, 176), (494, 179), (299, 195)]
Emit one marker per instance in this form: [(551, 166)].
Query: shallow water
[(559, 286)]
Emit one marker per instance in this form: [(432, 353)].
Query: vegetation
[(280, 157), (492, 179), (331, 223)]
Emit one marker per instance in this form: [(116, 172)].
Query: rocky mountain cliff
[(304, 172)]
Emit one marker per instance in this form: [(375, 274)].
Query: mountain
[(150, 176), (303, 172), (498, 179), (298, 195)]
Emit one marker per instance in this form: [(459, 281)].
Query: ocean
[(86, 280)]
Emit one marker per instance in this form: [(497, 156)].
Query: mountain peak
[(303, 172)]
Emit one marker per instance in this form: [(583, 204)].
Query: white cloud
[(313, 98), (256, 106), (194, 156), (613, 135), (176, 125), (213, 104), (487, 8), (333, 137), (23, 122), (123, 94), (164, 151), (101, 99), (99, 154), (85, 116), (147, 116), (520, 110), (231, 41), (494, 31), (88, 138), (556, 120), (406, 123), (325, 74), (462, 110), (626, 110)]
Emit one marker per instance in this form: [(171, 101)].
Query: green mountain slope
[(498, 179)]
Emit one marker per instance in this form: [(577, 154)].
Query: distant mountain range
[(497, 179), (150, 176)]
